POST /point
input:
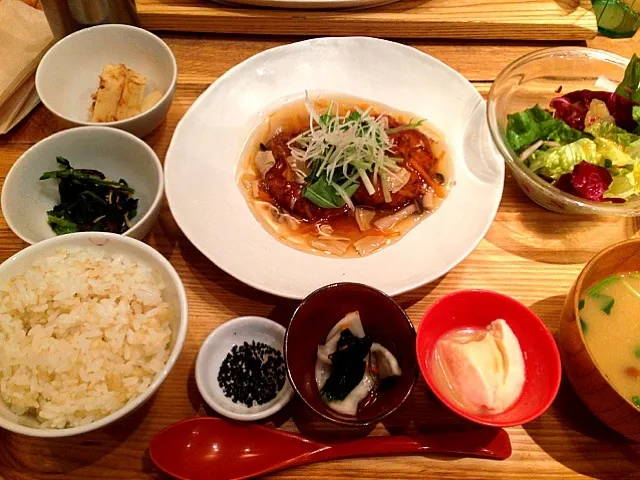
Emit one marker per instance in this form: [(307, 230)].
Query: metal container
[(67, 16)]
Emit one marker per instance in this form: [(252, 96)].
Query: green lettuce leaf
[(625, 184), (634, 149), (635, 113), (615, 144), (533, 124), (630, 85), (560, 160), (610, 131), (614, 152), (622, 186)]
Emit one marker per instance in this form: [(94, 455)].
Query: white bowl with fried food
[(114, 75)]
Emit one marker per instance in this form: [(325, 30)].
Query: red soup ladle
[(206, 448)]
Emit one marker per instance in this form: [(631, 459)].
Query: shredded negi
[(89, 201), (338, 152), (588, 142), (252, 373)]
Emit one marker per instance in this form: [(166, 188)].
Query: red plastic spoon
[(207, 448)]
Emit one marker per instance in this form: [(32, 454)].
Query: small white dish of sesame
[(240, 369)]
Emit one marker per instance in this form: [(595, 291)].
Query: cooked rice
[(81, 333)]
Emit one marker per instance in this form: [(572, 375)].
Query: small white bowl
[(25, 200), (213, 352), (68, 73), (111, 243)]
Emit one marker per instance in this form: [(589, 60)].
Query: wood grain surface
[(529, 253), (495, 19)]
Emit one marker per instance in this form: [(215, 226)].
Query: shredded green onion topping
[(340, 151)]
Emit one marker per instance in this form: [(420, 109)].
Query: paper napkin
[(25, 36)]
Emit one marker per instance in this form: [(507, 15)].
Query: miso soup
[(610, 321)]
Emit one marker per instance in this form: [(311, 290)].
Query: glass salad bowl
[(537, 78)]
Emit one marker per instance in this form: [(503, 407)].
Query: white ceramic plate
[(308, 4), (201, 163)]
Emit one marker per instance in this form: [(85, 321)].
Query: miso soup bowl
[(382, 318), (589, 382)]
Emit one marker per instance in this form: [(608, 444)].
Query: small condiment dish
[(589, 380), (213, 353), (25, 199), (69, 72), (382, 318), (477, 309), (110, 243)]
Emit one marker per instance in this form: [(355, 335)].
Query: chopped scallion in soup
[(610, 322)]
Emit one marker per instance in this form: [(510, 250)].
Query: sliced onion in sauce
[(324, 229), (390, 221), (292, 222), (396, 181), (299, 168), (279, 216), (264, 161), (255, 188), (335, 247), (427, 201), (364, 216), (370, 244), (325, 232)]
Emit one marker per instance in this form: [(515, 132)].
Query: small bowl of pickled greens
[(567, 122), (89, 201), (599, 337), (84, 179), (350, 354)]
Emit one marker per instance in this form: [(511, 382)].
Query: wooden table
[(529, 253)]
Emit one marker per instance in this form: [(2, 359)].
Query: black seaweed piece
[(89, 201), (347, 366)]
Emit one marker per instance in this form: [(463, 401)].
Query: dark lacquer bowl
[(477, 309), (382, 318)]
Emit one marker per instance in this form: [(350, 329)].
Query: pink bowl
[(478, 308)]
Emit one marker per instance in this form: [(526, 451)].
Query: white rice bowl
[(87, 333)]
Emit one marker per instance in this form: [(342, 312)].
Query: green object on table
[(617, 18)]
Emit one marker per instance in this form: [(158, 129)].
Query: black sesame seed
[(252, 373)]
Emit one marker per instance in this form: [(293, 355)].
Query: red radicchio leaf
[(564, 184), (590, 181), (587, 181), (573, 108)]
